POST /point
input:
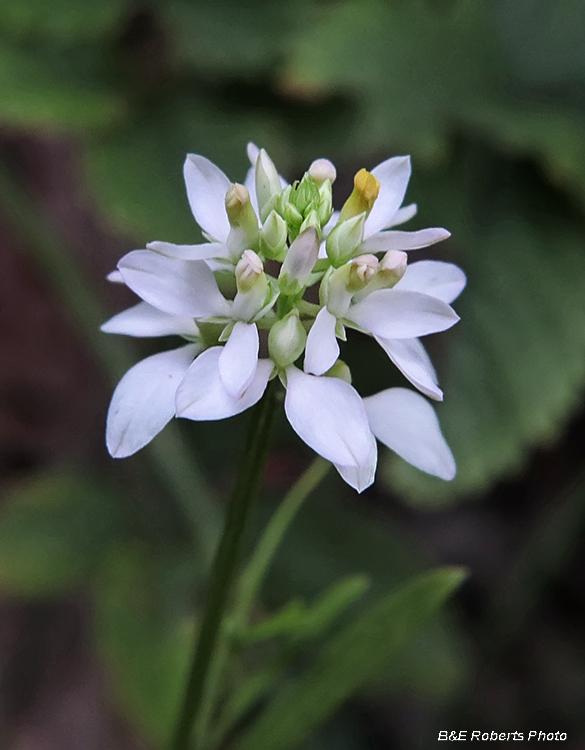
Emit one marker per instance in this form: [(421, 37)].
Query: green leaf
[(362, 652), (37, 91), (551, 135), (64, 21), (410, 66), (53, 532), (136, 172), (516, 363), (299, 621), (144, 633)]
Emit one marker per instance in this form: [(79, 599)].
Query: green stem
[(255, 572), (253, 577), (224, 567)]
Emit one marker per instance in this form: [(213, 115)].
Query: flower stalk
[(225, 566)]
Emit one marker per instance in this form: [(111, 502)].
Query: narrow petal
[(144, 400), (404, 214), (252, 150), (239, 358), (181, 287), (143, 320), (393, 314), (361, 477), (393, 176), (328, 414), (406, 423), (435, 277), (322, 349), (115, 277), (202, 395), (411, 358), (204, 251), (250, 184), (331, 223), (397, 240), (206, 188)]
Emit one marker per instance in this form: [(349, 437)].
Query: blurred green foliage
[(487, 96)]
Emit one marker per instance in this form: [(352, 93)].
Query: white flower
[(220, 371)]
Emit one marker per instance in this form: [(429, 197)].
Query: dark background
[(98, 105)]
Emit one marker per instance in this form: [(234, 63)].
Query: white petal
[(435, 277), (397, 240), (115, 277), (250, 183), (393, 314), (322, 348), (202, 395), (144, 320), (331, 223), (181, 287), (239, 358), (252, 150), (406, 422), (204, 251), (144, 400), (361, 477), (393, 176), (411, 358), (206, 189), (404, 214), (328, 414)]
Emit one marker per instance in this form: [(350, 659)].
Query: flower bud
[(273, 236), (334, 293), (239, 208), (268, 186), (339, 370), (392, 267), (253, 287), (344, 240), (325, 208), (305, 195), (243, 220), (361, 271), (248, 270), (365, 191), (286, 340), (321, 170), (299, 262), (311, 220)]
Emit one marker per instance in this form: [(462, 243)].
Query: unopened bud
[(361, 271), (253, 287), (321, 170), (344, 240), (311, 220), (392, 267), (339, 370), (286, 340), (273, 236), (299, 262), (305, 194), (248, 270), (268, 186), (325, 208), (365, 191), (242, 218)]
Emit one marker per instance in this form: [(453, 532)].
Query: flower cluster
[(271, 293)]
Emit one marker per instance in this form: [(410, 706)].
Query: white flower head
[(220, 294)]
